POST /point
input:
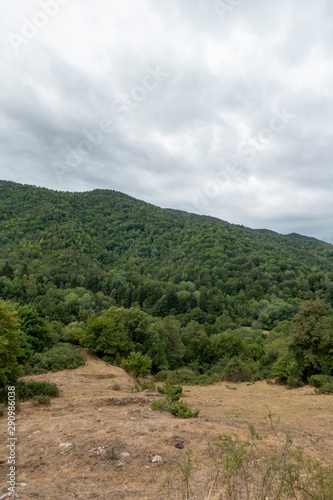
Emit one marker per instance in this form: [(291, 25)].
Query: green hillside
[(70, 256)]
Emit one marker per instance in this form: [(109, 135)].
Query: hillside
[(163, 288), (165, 261)]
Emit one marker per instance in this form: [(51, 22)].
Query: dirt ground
[(64, 450)]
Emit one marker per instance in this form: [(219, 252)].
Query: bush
[(115, 387), (319, 380), (3, 409), (325, 388), (41, 399), (238, 371), (137, 364), (181, 409), (29, 389), (161, 405), (171, 392), (59, 357)]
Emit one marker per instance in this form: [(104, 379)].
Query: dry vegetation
[(92, 467)]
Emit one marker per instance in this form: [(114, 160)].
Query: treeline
[(296, 352)]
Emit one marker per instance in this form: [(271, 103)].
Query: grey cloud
[(202, 139)]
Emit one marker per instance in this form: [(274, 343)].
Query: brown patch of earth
[(84, 417)]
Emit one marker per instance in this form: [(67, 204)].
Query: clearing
[(64, 449)]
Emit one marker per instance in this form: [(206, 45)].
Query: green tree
[(312, 338), (137, 364), (9, 345)]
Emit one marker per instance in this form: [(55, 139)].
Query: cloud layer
[(218, 107)]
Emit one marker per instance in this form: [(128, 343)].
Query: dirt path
[(50, 469)]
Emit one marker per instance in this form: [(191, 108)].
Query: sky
[(216, 107)]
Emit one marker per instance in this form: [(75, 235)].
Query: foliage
[(59, 357), (161, 405), (171, 401), (27, 389), (326, 388), (101, 270), (181, 409), (9, 345), (137, 364), (170, 391), (239, 470), (41, 399)]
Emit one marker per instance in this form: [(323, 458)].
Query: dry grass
[(85, 469)]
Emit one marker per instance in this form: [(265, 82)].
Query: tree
[(312, 338), (9, 345), (137, 364), (106, 336)]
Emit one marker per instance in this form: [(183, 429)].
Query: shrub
[(147, 384), (115, 387), (319, 380), (161, 405), (171, 402), (238, 371), (59, 357), (29, 389), (181, 409), (137, 364), (3, 409), (325, 388), (171, 392), (41, 399)]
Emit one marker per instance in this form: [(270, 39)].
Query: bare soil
[(83, 416)]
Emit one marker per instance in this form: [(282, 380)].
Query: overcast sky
[(214, 107)]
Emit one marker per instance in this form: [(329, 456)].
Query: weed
[(41, 399)]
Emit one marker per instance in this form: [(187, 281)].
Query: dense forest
[(189, 293)]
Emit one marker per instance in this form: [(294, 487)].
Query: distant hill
[(164, 261)]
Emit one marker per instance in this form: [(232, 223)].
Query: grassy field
[(73, 447)]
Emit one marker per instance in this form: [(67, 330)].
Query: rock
[(121, 464), (9, 495), (65, 445), (125, 455), (156, 459), (180, 446)]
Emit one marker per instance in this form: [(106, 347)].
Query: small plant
[(232, 388), (113, 456), (116, 387), (172, 392), (3, 409), (41, 399), (161, 405), (326, 388), (186, 471), (147, 384), (181, 409)]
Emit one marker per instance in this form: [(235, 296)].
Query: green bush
[(137, 364), (181, 409), (238, 371), (29, 389), (319, 380), (41, 399), (59, 357), (325, 388), (3, 409), (161, 405), (171, 392)]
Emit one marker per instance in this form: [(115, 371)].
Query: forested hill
[(165, 261)]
